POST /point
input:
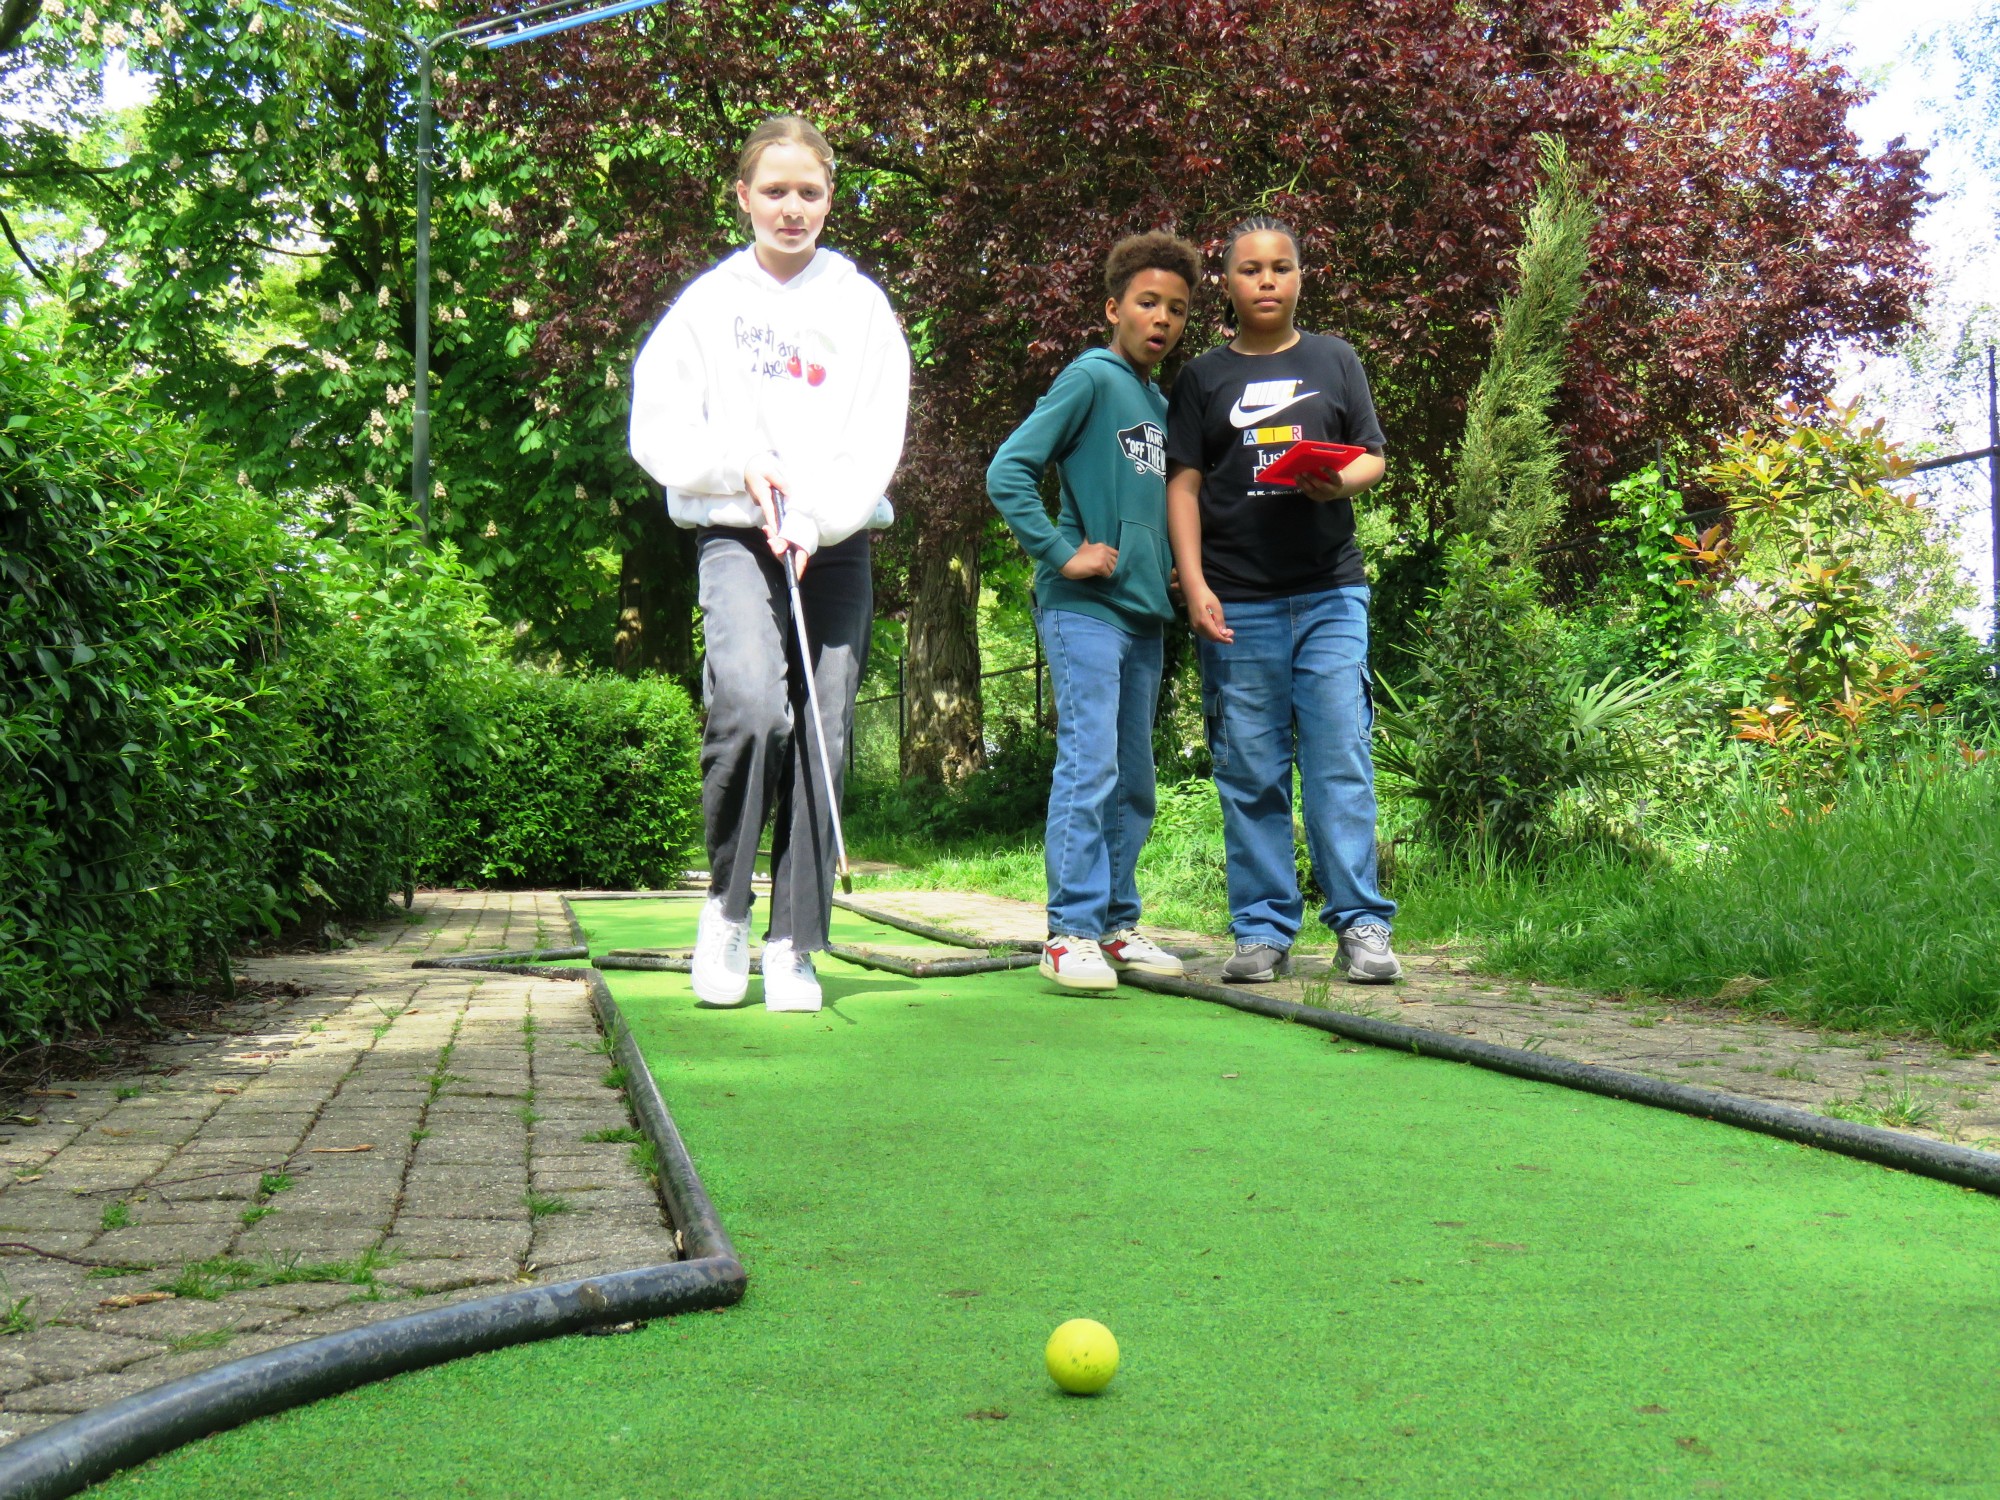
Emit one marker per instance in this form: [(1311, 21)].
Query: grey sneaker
[(1365, 955), (1255, 963)]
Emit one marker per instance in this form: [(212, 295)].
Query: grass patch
[(116, 1216), (273, 1183), (208, 1280), (621, 1135), (215, 1338), (112, 1273), (15, 1319), (1898, 1109), (1882, 915), (645, 1159), (542, 1205), (127, 1091), (614, 1078), (1180, 869), (256, 1215)]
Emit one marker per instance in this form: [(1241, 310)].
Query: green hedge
[(221, 716), (591, 782), (196, 738)]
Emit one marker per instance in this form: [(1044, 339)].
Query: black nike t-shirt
[(1230, 415)]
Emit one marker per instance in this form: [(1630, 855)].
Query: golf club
[(812, 698)]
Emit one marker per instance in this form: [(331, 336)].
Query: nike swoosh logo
[(1244, 418)]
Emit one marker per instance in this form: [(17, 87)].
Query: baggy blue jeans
[(1101, 799), (1292, 688)]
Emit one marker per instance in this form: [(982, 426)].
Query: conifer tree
[(1507, 487)]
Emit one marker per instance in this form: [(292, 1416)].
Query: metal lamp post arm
[(493, 31)]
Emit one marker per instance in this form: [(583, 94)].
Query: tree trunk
[(944, 743), (16, 16), (656, 601)]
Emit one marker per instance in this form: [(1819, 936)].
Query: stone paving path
[(389, 1140), (1900, 1083)]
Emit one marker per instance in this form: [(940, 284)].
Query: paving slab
[(279, 1094)]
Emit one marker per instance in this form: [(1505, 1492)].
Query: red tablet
[(1306, 459)]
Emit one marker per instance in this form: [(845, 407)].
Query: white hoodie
[(813, 370)]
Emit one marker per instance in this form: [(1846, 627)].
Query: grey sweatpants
[(759, 754)]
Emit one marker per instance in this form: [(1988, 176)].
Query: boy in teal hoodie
[(1101, 571)]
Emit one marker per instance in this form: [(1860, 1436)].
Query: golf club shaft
[(812, 700)]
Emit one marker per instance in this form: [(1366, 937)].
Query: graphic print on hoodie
[(1103, 425), (813, 370)]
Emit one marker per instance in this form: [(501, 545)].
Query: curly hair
[(1154, 251)]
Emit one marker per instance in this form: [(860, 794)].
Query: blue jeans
[(1293, 687), (1101, 802)]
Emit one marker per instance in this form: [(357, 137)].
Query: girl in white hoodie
[(770, 402)]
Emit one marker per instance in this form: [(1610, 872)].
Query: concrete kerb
[(73, 1455)]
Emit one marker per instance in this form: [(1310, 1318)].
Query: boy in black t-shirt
[(1279, 604)]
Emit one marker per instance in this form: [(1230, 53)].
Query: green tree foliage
[(1661, 611), (1811, 569), (1508, 477), (596, 782), (1500, 729), (250, 240)]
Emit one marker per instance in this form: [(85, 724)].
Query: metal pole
[(420, 430), (1038, 682), (1993, 481)]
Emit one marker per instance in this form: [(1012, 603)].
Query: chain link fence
[(1013, 695)]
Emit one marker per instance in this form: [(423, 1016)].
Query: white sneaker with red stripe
[(1126, 949), (1077, 963)]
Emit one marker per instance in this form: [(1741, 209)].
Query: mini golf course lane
[(1332, 1270)]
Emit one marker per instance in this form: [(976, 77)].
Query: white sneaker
[(1077, 963), (721, 959), (1125, 949), (789, 980)]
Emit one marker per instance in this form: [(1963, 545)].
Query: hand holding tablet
[(1308, 459)]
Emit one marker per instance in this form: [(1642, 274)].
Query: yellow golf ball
[(1082, 1356)]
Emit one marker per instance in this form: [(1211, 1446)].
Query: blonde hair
[(796, 129)]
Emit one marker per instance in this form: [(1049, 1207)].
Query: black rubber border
[(1960, 1165), (75, 1454), (932, 968), (867, 958)]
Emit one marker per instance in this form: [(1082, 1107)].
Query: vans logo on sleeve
[(1266, 398), (1146, 446)]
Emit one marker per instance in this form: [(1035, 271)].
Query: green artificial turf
[(1332, 1270)]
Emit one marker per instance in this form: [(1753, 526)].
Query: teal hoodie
[(1104, 427)]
